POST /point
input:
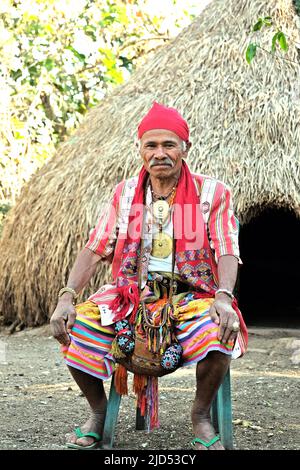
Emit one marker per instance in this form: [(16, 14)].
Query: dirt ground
[(40, 402)]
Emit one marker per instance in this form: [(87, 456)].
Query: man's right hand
[(62, 321)]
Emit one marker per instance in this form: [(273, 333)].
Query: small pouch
[(124, 337), (172, 357)]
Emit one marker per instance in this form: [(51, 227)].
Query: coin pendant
[(161, 210), (162, 245)]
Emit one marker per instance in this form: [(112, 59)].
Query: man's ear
[(137, 144), (188, 146)]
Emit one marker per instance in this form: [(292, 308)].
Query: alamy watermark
[(187, 220)]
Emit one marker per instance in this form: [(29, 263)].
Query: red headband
[(161, 117)]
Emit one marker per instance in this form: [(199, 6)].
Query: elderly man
[(200, 251)]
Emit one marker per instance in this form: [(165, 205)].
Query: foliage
[(59, 59), (297, 6), (4, 208), (277, 39)]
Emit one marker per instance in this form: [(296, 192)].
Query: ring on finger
[(235, 326)]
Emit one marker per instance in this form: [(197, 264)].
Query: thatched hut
[(245, 130)]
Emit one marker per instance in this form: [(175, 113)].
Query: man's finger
[(222, 328), (213, 315), (231, 331), (226, 335), (64, 340), (59, 332), (232, 336), (71, 321)]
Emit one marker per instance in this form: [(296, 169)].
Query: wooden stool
[(221, 414)]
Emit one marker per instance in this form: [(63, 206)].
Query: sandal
[(205, 444), (79, 433)]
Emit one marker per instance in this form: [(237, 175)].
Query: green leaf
[(18, 136), (250, 52), (122, 15), (4, 208), (49, 63), (49, 28), (15, 74), (90, 31), (274, 39), (34, 28), (77, 54), (34, 71), (107, 20), (282, 41), (127, 63), (115, 76), (268, 21), (258, 25), (81, 108)]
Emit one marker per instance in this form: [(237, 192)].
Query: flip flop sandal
[(79, 433), (205, 444)]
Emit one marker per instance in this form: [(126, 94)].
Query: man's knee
[(215, 362)]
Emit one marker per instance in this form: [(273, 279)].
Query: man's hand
[(62, 320), (223, 314)]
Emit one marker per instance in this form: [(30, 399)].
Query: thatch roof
[(245, 129)]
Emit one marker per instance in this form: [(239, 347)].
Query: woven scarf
[(188, 221)]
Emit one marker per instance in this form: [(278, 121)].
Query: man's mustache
[(166, 161)]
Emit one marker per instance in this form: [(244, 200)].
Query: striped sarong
[(89, 350)]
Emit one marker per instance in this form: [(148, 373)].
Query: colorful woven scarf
[(188, 225), (192, 246)]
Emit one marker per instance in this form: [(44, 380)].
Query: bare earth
[(40, 402)]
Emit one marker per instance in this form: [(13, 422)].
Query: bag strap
[(173, 268), (170, 299)]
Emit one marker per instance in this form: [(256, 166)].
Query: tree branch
[(278, 56)]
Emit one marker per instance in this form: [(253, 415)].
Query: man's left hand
[(223, 314)]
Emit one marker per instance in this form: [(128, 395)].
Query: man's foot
[(205, 431), (94, 424)]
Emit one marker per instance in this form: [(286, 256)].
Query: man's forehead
[(160, 135)]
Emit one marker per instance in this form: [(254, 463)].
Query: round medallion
[(161, 210), (162, 245)]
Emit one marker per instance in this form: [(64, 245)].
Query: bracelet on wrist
[(69, 290), (225, 291)]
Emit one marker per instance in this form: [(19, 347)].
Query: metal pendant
[(161, 210), (162, 245)]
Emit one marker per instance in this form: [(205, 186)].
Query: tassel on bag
[(146, 389), (125, 296), (139, 383), (139, 387), (152, 403), (159, 338), (120, 380)]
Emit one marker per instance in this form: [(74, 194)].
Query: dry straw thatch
[(245, 130)]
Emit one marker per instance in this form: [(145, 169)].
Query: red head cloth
[(161, 117)]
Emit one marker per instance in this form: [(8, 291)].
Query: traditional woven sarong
[(91, 343), (89, 350)]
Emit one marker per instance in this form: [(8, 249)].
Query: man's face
[(162, 153)]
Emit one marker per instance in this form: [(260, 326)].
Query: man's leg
[(94, 392), (210, 373)]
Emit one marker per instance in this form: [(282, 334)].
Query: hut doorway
[(269, 280)]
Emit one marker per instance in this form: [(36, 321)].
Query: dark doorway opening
[(269, 279)]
